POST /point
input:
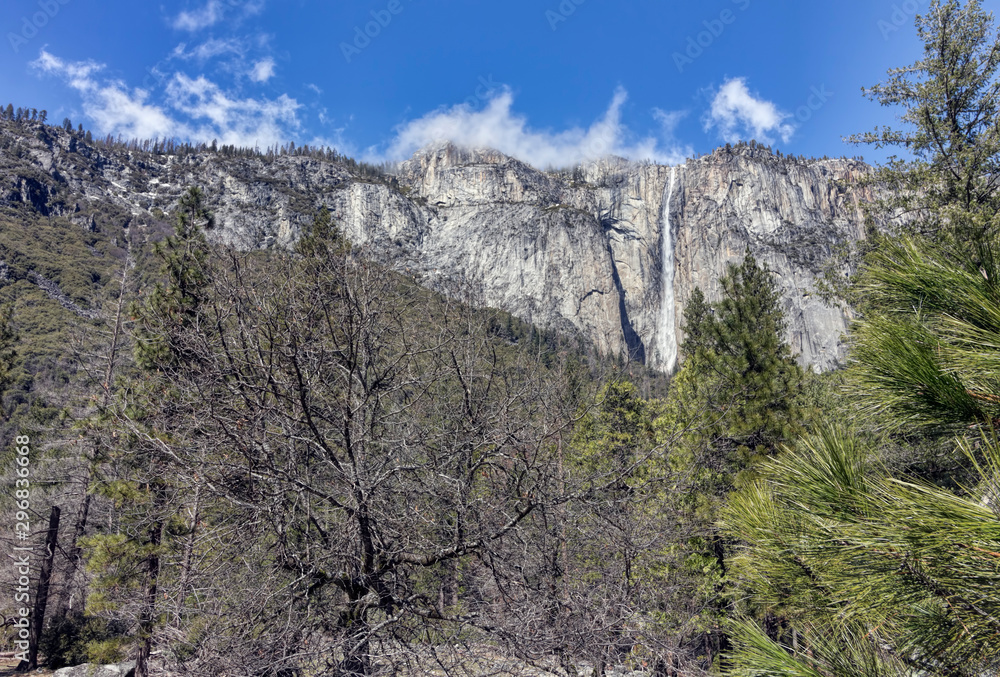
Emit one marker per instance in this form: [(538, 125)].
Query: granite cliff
[(611, 249)]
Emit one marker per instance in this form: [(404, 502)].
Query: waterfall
[(667, 333)]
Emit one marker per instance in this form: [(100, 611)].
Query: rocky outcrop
[(611, 250), (615, 249), (93, 670)]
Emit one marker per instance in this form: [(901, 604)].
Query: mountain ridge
[(577, 250)]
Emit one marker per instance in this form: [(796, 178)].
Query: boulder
[(126, 669)]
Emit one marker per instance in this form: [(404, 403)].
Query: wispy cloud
[(212, 13), (77, 73), (497, 126), (209, 49), (193, 108), (111, 105), (233, 120), (196, 20), (739, 115), (263, 70)]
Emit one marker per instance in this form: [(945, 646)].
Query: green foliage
[(174, 303), (739, 394), (618, 433), (323, 238), (76, 639), (899, 570), (8, 338), (950, 101), (928, 357), (843, 654), (114, 559)]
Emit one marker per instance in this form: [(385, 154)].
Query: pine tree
[(147, 496), (176, 302), (950, 102), (872, 574), (739, 386), (738, 396), (697, 324), (8, 339), (878, 574)]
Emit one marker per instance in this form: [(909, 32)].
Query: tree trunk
[(356, 660), (75, 558), (42, 594), (147, 618), (188, 555)]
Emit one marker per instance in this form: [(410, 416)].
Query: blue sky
[(550, 81)]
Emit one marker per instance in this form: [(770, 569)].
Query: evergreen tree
[(323, 239), (739, 390), (8, 113), (870, 574), (738, 396), (697, 324), (176, 302), (877, 574), (130, 563), (950, 135), (8, 339)]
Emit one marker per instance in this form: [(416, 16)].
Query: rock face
[(616, 249), (92, 670), (611, 250)]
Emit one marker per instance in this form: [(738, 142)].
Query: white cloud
[(739, 115), (497, 126), (669, 120), (196, 109), (114, 109), (207, 16), (77, 74), (209, 49), (314, 88), (263, 70), (245, 122), (212, 13)]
